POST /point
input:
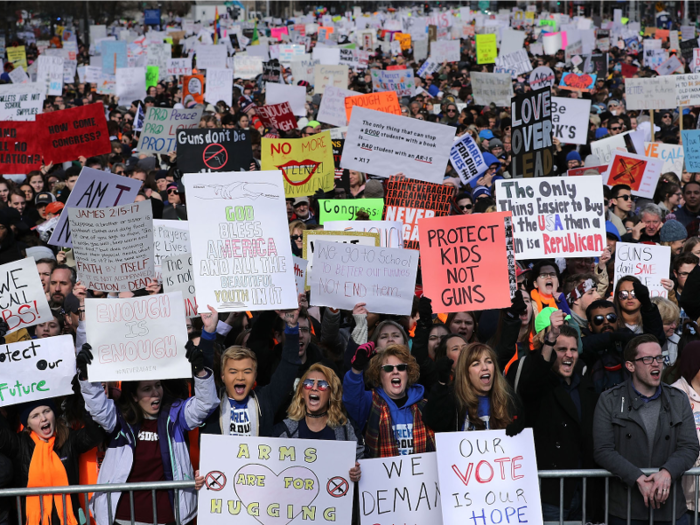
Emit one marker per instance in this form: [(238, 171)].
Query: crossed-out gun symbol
[(627, 172)]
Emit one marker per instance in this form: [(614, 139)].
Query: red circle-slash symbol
[(215, 156), (215, 480), (337, 487)]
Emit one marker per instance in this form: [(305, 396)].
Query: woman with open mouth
[(317, 412), (147, 427), (46, 453), (392, 411)]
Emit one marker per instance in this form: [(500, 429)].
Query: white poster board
[(247, 67), (671, 154), (390, 232), (210, 56), (170, 238), (492, 87), (161, 125), (295, 95), (130, 84), (179, 277), (22, 299), (218, 86), (21, 102), (637, 171), (445, 51), (647, 262), (570, 119), (650, 93), (332, 110)]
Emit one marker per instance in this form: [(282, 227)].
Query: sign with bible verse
[(467, 261), (70, 133), (36, 369), (647, 262), (555, 217), (384, 145), (242, 258), (113, 247), (272, 481), (137, 339), (22, 299)]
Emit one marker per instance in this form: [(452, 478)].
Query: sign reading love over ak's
[(273, 481)]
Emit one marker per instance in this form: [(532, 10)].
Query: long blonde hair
[(336, 414), (467, 398)]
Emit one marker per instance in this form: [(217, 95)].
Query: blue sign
[(151, 17)]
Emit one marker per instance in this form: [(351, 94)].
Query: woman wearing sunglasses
[(296, 236), (316, 412), (636, 311), (392, 411)]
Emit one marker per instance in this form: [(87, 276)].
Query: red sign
[(277, 116), (19, 149), (71, 133), (577, 172)]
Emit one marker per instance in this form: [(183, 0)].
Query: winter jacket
[(689, 481), (174, 423), (621, 446), (290, 429)]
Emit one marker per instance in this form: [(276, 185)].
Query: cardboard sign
[(390, 232), (407, 201), (648, 263), (21, 102), (20, 152), (94, 189), (637, 171), (671, 154), (345, 274), (532, 135), (269, 481), (486, 50), (178, 277), (359, 238), (278, 116), (691, 149), (211, 150), (488, 473), (333, 109), (245, 263), (22, 299), (487, 88), (466, 159), (113, 247), (688, 89), (467, 261), (67, 134), (429, 67), (137, 339), (402, 489), (306, 163), (295, 95), (555, 217), (384, 145), (161, 125), (384, 101), (346, 209), (570, 119), (37, 369), (401, 81), (336, 76), (650, 93)]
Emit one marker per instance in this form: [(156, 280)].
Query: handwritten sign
[(336, 76), (178, 277), (517, 61), (486, 50), (650, 93), (401, 81), (137, 339), (570, 119), (445, 51), (691, 149), (332, 110), (688, 89), (648, 263), (247, 67), (385, 101), (343, 237), (346, 209), (671, 154), (20, 102), (637, 171), (22, 299), (67, 134), (212, 150), (161, 125), (170, 238), (487, 88), (390, 232)]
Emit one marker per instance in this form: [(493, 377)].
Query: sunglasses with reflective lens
[(321, 384), (390, 368), (625, 294), (173, 192), (599, 319)]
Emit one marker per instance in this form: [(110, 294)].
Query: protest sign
[(346, 210), (247, 67), (21, 102), (22, 299), (688, 89), (325, 55), (429, 67), (532, 135), (687, 47), (400, 80), (332, 110), (401, 489), (518, 61), (336, 76), (555, 217), (49, 364), (18, 76), (570, 119), (306, 164), (385, 144), (178, 277), (289, 51), (490, 88), (68, 134), (668, 66), (691, 149), (303, 69), (130, 84), (114, 56), (193, 89), (445, 51), (94, 189), (152, 75), (574, 81), (207, 150), (384, 101), (179, 67), (219, 82), (486, 50), (647, 262), (359, 238), (210, 56), (158, 55), (161, 125), (295, 95), (50, 72), (20, 153), (272, 71), (390, 232), (408, 201), (137, 339), (637, 171), (270, 480), (17, 56), (170, 238), (488, 474), (671, 154), (345, 274), (650, 93), (113, 246), (467, 261), (466, 159), (577, 172), (245, 263), (277, 116)]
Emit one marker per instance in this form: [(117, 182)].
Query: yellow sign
[(404, 39), (486, 51), (17, 56), (306, 164)]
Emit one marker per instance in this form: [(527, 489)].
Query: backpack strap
[(521, 362)]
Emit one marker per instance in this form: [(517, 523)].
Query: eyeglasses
[(598, 319), (616, 128), (452, 111), (321, 384), (173, 192), (678, 194), (625, 294), (390, 368), (547, 275), (666, 116), (649, 359), (624, 197), (465, 206), (296, 237), (683, 274), (606, 202)]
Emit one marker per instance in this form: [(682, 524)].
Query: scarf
[(543, 300), (46, 470)]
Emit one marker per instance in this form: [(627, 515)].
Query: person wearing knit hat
[(374, 189), (481, 191), (495, 146), (673, 234), (573, 160)]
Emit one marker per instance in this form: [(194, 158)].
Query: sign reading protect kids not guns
[(488, 477), (272, 481), (306, 164)]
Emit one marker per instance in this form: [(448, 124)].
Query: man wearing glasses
[(616, 126), (643, 423), (621, 200)]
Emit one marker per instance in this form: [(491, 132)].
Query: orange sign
[(627, 170), (404, 39), (386, 101), (193, 89)]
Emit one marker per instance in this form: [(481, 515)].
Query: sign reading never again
[(532, 134)]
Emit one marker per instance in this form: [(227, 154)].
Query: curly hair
[(373, 375), (467, 397), (336, 412)]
